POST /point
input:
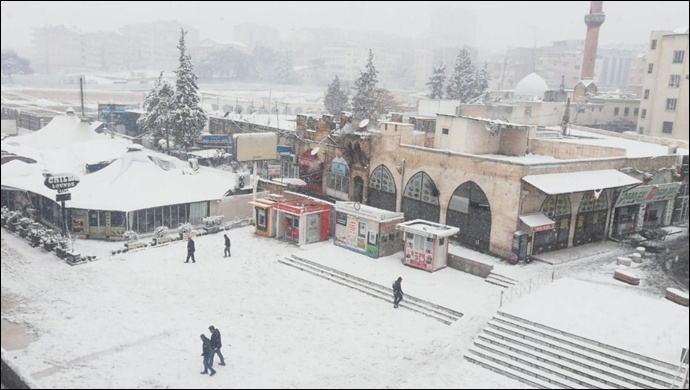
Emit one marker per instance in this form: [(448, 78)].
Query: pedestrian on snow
[(227, 246), (207, 353), (190, 250), (216, 344), (397, 292)]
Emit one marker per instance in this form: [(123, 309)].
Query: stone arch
[(382, 192), (591, 218), (287, 110), (556, 207), (470, 211), (358, 194), (420, 198), (239, 109)]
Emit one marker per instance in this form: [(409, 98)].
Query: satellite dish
[(314, 151), (363, 123)]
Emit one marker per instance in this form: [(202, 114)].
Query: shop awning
[(538, 222), (565, 183)]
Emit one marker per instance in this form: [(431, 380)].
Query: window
[(671, 104), (678, 56), (653, 46), (650, 68), (616, 111), (667, 128), (626, 111), (636, 112), (643, 113), (528, 111), (261, 219), (674, 81), (641, 130), (646, 94), (444, 131)]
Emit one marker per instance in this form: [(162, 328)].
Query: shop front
[(541, 232), (367, 230), (425, 244), (646, 206), (302, 221)]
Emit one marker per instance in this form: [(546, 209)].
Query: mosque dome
[(531, 85)]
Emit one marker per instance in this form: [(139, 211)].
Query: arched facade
[(358, 195), (469, 210), (420, 198), (590, 225), (556, 207), (382, 192)]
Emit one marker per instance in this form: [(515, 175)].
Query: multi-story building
[(56, 49), (253, 35), (664, 106), (451, 26), (636, 75), (154, 45)]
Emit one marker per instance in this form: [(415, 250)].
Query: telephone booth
[(425, 244), (264, 217)]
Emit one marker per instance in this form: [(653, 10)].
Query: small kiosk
[(426, 244), (264, 217), (302, 221), (367, 229)]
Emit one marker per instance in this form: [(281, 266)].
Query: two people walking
[(211, 347)]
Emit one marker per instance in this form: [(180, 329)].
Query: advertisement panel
[(255, 146)]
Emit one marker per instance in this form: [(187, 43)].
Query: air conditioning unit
[(242, 180)]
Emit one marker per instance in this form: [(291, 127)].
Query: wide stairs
[(545, 357), (429, 309)]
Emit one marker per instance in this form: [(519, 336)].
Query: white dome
[(531, 85)]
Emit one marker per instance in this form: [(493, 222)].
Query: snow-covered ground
[(133, 320)]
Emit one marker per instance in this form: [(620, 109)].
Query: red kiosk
[(302, 221)]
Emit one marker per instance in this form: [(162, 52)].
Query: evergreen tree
[(188, 117), (335, 99), (14, 64), (284, 72), (437, 82), (364, 99), (462, 81), (481, 85), (157, 110)]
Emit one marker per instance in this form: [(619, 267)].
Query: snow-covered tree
[(462, 80), (284, 72), (14, 64), (481, 85), (436, 82), (335, 99), (157, 110), (188, 117), (364, 99), (384, 102)]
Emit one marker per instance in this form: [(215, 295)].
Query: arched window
[(469, 210), (420, 198), (382, 193)]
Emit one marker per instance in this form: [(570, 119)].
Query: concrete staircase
[(429, 309), (548, 358), (500, 280)]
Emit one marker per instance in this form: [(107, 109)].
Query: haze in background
[(499, 24)]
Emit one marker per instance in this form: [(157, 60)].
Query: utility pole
[(111, 125), (81, 94), (566, 118)]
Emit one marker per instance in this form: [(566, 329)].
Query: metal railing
[(526, 287)]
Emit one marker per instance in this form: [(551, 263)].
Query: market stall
[(302, 221), (425, 244), (367, 229)]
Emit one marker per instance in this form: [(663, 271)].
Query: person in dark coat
[(190, 250), (207, 353), (227, 246), (397, 292), (216, 344)]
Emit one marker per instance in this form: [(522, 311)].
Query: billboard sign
[(255, 146), (60, 181)]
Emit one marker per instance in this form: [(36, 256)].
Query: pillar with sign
[(61, 183)]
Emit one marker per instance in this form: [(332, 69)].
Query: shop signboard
[(60, 181), (645, 194)]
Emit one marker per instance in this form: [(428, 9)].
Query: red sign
[(544, 227)]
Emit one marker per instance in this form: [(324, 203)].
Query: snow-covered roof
[(369, 212), (531, 85), (291, 181), (537, 220), (207, 153), (427, 228), (565, 183)]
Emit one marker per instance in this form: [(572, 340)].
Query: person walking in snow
[(227, 246), (397, 292), (190, 250), (216, 344), (207, 353)]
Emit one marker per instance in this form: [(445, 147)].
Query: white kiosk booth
[(426, 244)]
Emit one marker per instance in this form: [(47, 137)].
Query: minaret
[(594, 19)]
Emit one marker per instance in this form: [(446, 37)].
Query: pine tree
[(335, 99), (157, 110), (481, 85), (188, 117), (462, 80), (363, 101), (437, 82), (284, 73)]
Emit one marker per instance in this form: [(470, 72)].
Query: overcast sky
[(499, 24)]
